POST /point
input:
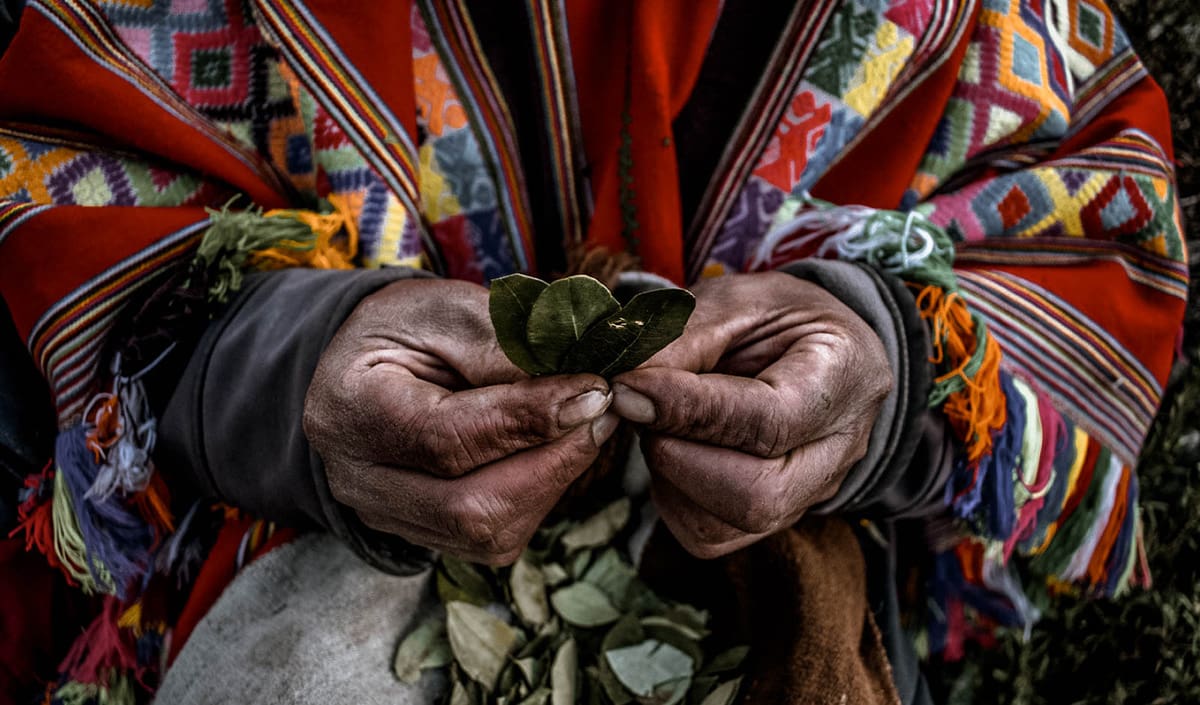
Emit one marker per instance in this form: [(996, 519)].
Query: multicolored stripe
[(68, 340), (1096, 382), (763, 112), (553, 57), (453, 34), (376, 131)]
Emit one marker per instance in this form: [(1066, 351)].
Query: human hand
[(428, 432), (756, 413)]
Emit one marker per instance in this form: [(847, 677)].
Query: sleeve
[(907, 461), (231, 429), (1041, 242)]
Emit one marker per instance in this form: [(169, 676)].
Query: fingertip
[(604, 427), (633, 405)]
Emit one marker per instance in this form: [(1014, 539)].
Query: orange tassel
[(324, 253), (977, 410), (105, 426), (154, 505)]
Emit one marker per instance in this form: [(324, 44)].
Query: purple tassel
[(117, 540)]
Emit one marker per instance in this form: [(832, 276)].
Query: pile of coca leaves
[(569, 622)]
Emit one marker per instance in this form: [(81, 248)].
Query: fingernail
[(634, 406), (603, 427), (583, 408)]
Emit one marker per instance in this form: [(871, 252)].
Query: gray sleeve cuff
[(232, 428), (887, 482)]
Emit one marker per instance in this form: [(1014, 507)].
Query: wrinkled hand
[(428, 432), (756, 413)]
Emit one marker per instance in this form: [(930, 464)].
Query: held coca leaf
[(629, 337), (563, 313), (510, 303)]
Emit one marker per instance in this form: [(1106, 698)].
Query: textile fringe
[(35, 516), (321, 251)]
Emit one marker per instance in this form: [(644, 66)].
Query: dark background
[(1145, 648)]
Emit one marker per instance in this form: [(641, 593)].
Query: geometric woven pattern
[(44, 173), (215, 58)]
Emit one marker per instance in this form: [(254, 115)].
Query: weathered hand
[(756, 413), (427, 431)]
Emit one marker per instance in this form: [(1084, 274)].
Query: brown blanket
[(799, 598)]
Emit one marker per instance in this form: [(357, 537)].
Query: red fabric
[(39, 617), (34, 274), (103, 103), (379, 46), (666, 40), (1121, 307)]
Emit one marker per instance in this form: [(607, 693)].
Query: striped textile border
[(1163, 275), (765, 109), (548, 22), (90, 31), (1100, 386), (341, 90), (13, 213), (1130, 151), (67, 341), (1113, 79), (452, 33)]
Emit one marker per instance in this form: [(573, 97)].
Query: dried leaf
[(459, 694), (563, 313), (648, 668), (685, 629), (529, 593), (554, 574), (427, 646), (614, 576), (541, 696), (564, 674), (670, 633), (481, 642), (579, 563), (531, 670), (472, 586), (510, 303), (583, 605), (600, 528), (629, 337), (724, 693), (617, 693), (727, 660)]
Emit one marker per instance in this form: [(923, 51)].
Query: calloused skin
[(754, 415)]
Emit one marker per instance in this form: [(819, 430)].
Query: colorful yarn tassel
[(237, 240), (35, 515), (101, 534)]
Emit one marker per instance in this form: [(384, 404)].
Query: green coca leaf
[(425, 647), (600, 528), (632, 335), (724, 693), (510, 303), (583, 605), (529, 592), (652, 669), (480, 641), (563, 313), (564, 674)]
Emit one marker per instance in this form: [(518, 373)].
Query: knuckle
[(473, 524)]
